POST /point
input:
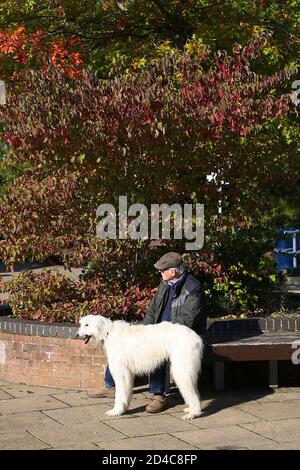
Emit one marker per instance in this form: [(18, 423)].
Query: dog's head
[(93, 326)]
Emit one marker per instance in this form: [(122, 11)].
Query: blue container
[(285, 261)]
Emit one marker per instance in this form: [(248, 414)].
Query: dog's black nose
[(77, 336)]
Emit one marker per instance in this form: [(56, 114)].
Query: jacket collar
[(179, 285), (173, 283)]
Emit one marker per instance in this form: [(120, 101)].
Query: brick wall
[(37, 353), (50, 361)]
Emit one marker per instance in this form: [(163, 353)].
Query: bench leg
[(219, 381), (273, 374)]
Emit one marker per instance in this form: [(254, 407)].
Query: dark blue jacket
[(187, 306)]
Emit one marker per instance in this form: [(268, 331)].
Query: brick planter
[(48, 355), (249, 326)]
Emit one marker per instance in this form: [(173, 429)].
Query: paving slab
[(279, 431), (77, 446), (273, 411), (30, 403), (229, 437), (22, 391), (157, 442), (279, 397), (79, 398), (142, 426), (78, 415), (136, 408), (22, 421), (226, 417), (176, 403), (74, 398), (282, 446), (222, 401), (4, 395), (20, 441), (57, 435), (287, 390), (3, 383)]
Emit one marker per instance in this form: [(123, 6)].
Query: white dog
[(140, 349)]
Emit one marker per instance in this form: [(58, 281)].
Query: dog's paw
[(191, 416), (186, 410), (114, 412)]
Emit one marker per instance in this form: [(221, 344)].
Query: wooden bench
[(271, 347)]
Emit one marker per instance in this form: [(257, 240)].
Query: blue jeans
[(157, 380)]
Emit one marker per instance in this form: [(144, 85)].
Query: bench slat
[(265, 347)]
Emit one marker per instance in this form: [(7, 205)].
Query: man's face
[(168, 274)]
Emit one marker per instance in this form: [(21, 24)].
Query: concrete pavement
[(48, 418)]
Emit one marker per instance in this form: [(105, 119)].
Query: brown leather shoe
[(104, 393), (157, 404)]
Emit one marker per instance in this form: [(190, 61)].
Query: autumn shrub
[(237, 278), (153, 135), (53, 297)]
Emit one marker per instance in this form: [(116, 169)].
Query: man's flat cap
[(169, 260)]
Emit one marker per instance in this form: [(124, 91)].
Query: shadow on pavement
[(217, 400)]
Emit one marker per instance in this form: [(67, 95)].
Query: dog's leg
[(124, 384), (192, 398), (186, 381)]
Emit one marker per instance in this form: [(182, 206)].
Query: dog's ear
[(103, 326)]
